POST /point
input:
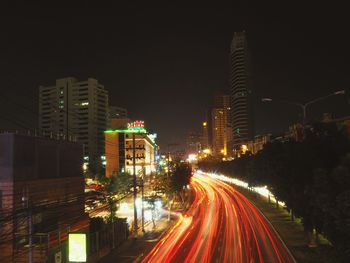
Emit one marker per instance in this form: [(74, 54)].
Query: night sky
[(164, 62)]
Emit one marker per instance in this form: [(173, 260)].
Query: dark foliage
[(181, 177), (312, 177)]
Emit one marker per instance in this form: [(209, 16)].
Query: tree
[(114, 188), (180, 178), (311, 176)]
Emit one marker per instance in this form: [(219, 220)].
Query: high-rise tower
[(221, 131), (205, 136), (76, 109), (242, 121)]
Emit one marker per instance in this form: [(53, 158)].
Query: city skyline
[(167, 60), (161, 132)]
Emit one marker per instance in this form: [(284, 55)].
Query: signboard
[(77, 247), (136, 124), (133, 127)]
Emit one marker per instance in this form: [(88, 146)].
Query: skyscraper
[(241, 91), (77, 110), (205, 136), (221, 131)]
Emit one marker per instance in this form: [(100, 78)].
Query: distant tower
[(205, 136), (221, 132), (242, 121)]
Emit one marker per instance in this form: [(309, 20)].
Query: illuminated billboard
[(133, 127), (77, 247)]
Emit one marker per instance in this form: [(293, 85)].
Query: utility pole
[(168, 175), (26, 203), (142, 211), (134, 182), (66, 105), (30, 235)]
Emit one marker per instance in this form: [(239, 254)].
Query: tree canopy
[(312, 177)]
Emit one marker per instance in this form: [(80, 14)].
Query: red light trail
[(220, 226)]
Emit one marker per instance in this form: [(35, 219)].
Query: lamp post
[(304, 106)]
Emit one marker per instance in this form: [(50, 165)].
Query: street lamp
[(304, 106)]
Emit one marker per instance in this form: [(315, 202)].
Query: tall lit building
[(76, 110), (193, 142), (241, 91), (221, 131), (205, 136), (123, 142)]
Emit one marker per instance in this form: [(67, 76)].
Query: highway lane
[(220, 226)]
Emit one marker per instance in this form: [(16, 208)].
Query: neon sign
[(133, 127), (136, 124)]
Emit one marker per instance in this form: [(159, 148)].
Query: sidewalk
[(292, 232), (134, 249)]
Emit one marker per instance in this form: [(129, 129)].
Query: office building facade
[(193, 142), (76, 110), (122, 141), (205, 136), (221, 130)]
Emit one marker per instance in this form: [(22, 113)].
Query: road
[(220, 226)]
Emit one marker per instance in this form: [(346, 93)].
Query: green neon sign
[(128, 130), (133, 127)]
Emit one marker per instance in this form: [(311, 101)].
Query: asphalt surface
[(220, 226)]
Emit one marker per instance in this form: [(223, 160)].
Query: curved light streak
[(220, 226)]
